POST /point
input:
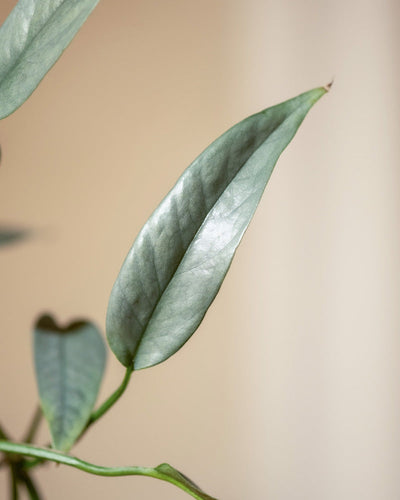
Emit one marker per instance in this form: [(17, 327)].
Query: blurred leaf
[(69, 365), (32, 38), (9, 235), (179, 259)]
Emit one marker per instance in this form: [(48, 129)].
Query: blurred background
[(290, 389)]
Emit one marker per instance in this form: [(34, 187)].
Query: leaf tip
[(328, 86)]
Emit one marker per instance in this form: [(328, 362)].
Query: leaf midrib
[(31, 40), (18, 60), (62, 388), (173, 274)]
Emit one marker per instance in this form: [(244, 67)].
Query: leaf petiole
[(31, 487), (3, 434), (13, 483), (33, 427), (108, 403)]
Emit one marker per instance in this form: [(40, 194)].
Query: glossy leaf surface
[(179, 259), (69, 364), (32, 38)]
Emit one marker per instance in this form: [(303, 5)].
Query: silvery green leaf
[(69, 364), (32, 38), (179, 259)]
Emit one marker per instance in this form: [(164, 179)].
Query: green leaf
[(179, 259), (9, 235), (179, 479), (69, 365), (32, 38)]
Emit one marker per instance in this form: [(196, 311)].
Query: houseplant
[(173, 270)]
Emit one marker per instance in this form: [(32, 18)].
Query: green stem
[(3, 434), (108, 403), (37, 417), (30, 486), (29, 464), (112, 399), (163, 471), (14, 483)]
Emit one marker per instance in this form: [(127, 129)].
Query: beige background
[(290, 389)]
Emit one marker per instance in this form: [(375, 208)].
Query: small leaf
[(179, 259), (32, 38), (182, 481), (9, 235), (69, 365)]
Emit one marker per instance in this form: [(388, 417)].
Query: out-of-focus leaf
[(69, 364), (179, 259), (32, 38), (9, 235)]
